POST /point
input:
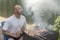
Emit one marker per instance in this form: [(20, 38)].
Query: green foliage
[(56, 26), (57, 20)]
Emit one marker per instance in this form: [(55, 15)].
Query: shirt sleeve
[(25, 23), (6, 25), (24, 26)]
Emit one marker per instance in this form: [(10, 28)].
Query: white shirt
[(13, 24)]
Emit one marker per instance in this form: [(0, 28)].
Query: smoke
[(41, 11)]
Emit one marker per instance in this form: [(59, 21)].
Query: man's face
[(18, 10)]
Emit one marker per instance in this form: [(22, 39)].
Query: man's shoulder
[(10, 18)]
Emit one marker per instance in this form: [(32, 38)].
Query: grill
[(49, 35)]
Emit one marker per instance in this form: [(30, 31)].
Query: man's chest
[(17, 23)]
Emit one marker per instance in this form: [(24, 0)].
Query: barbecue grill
[(48, 35), (38, 34)]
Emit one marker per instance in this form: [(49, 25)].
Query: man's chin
[(19, 13)]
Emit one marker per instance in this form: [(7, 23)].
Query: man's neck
[(17, 16)]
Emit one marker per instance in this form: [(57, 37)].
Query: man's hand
[(10, 34), (17, 34)]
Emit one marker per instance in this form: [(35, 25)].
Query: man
[(15, 24)]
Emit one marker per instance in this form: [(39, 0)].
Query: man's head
[(18, 9)]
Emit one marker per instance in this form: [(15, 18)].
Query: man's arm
[(8, 33), (22, 29), (6, 28)]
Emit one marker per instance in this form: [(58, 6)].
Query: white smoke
[(42, 10)]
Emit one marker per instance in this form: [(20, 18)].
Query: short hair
[(16, 6)]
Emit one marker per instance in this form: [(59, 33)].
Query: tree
[(56, 26)]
